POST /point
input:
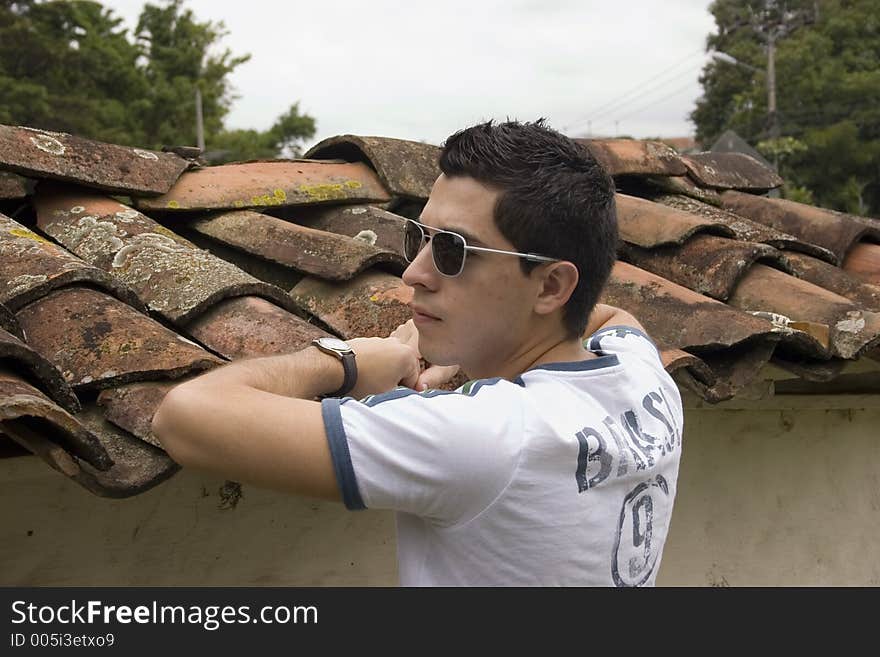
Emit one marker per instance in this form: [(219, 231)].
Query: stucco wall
[(770, 497), (184, 532), (766, 497)]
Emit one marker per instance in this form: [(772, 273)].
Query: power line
[(655, 102), (637, 90), (660, 86)]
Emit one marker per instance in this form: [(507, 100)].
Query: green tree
[(285, 138), (828, 93), (178, 59), (70, 66)]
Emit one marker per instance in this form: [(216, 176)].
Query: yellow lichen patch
[(239, 204), (329, 192), (159, 228), (174, 205), (277, 197), (354, 184), (374, 298), (27, 234)]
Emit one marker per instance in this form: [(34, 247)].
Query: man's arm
[(255, 421), (603, 316)]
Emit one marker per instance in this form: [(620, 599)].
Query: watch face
[(335, 344)]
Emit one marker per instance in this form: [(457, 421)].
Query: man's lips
[(418, 310)]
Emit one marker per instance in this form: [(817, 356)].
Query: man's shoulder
[(619, 335)]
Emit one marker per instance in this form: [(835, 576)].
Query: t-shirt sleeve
[(441, 455), (624, 339)]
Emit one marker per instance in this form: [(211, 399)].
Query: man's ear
[(558, 280)]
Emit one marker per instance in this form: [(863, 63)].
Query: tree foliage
[(827, 89), (70, 66)]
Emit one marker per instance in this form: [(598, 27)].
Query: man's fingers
[(411, 380), (436, 376), (407, 333)]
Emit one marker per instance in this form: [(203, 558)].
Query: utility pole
[(774, 23), (772, 116), (200, 126)]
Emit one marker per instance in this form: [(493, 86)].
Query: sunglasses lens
[(413, 240), (448, 253)]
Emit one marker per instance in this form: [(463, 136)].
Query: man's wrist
[(330, 372), (344, 354)]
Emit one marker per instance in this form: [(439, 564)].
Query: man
[(555, 465)]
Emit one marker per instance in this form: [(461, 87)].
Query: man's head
[(520, 187)]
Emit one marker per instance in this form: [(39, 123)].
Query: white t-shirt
[(564, 476)]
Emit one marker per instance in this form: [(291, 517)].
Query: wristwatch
[(340, 349)]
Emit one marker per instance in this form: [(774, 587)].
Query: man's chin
[(433, 355)]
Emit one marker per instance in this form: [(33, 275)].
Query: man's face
[(481, 318)]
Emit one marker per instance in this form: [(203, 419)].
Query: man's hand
[(383, 363), (432, 376)]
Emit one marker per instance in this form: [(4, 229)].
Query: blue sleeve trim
[(581, 365), (340, 454), (594, 341)]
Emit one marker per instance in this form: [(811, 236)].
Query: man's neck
[(564, 350)]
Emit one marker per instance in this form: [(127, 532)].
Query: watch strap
[(350, 379), (345, 354)]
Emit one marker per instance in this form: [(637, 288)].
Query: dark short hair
[(556, 200)]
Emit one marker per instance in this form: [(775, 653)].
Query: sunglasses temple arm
[(528, 256)]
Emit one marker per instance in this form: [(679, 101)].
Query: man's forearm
[(303, 375)]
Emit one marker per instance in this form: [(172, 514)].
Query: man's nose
[(421, 270)]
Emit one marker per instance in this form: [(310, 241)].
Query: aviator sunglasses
[(448, 249)]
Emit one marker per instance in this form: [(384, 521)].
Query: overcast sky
[(423, 69)]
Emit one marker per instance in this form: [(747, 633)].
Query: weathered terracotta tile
[(382, 229), (745, 230), (626, 157), (863, 261), (687, 367), (173, 277), (373, 304), (131, 407), (31, 266), (316, 252), (660, 306), (9, 323), (268, 184), (45, 154), (138, 466), (733, 368), (840, 281), (246, 327), (407, 168), (734, 345), (13, 186), (684, 186), (24, 407), (706, 264), (818, 371), (835, 231), (649, 225), (852, 329), (731, 171), (14, 353), (99, 342)]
